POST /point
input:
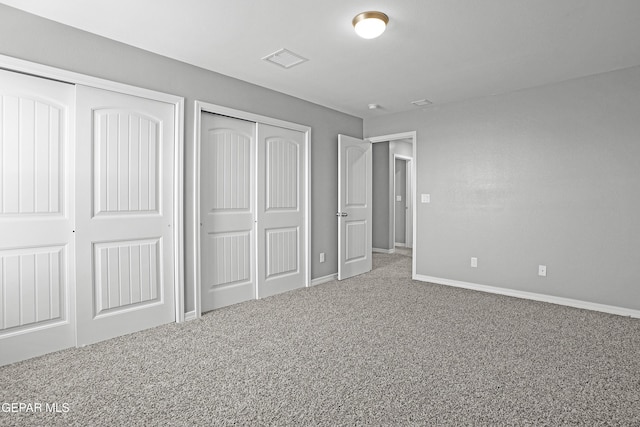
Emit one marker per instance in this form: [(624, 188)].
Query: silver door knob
[(341, 214)]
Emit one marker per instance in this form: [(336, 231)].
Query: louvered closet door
[(36, 217), (281, 210), (125, 202), (227, 211)]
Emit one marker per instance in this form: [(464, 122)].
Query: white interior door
[(36, 217), (354, 206), (281, 210), (124, 216), (227, 211)]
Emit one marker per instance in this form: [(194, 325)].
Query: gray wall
[(549, 175), (401, 190), (380, 188), (35, 39)]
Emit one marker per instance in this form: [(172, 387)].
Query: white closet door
[(281, 210), (125, 202), (36, 217), (227, 205)]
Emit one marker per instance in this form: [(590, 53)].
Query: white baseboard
[(400, 245), (611, 309), (190, 315), (383, 251), (324, 279)]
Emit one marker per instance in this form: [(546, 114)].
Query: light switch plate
[(398, 198), (425, 198)]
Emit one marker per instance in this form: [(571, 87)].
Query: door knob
[(341, 214)]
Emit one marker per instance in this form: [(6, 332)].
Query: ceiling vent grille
[(285, 58), (421, 102)]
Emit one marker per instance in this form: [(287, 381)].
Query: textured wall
[(39, 40), (549, 175)]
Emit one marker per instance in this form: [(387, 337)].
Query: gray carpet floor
[(378, 349)]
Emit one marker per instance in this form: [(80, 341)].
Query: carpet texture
[(378, 349)]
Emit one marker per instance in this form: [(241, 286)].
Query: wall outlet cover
[(542, 270)]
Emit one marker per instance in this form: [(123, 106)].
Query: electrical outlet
[(425, 198), (474, 262), (542, 270), (321, 256)]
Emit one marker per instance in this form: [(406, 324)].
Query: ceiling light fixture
[(370, 25)]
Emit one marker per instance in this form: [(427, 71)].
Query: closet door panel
[(227, 204), (36, 217), (281, 210), (125, 207)]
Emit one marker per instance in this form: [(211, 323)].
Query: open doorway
[(394, 193)]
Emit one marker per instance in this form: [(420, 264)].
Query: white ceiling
[(442, 50)]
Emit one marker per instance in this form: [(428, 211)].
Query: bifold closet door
[(36, 217), (281, 210), (125, 204), (227, 211)]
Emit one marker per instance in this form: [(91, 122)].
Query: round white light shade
[(370, 25)]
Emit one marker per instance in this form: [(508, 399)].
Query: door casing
[(195, 267)]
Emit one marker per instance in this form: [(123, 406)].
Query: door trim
[(414, 139), (38, 70), (199, 108)]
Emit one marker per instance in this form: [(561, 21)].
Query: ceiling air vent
[(285, 58), (421, 102)]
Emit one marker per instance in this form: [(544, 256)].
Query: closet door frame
[(21, 66), (205, 107)]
